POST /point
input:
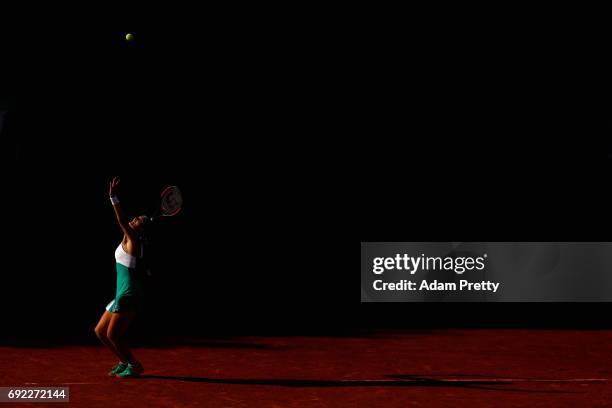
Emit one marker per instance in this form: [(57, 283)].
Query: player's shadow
[(393, 381)]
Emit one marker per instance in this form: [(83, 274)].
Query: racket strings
[(172, 201)]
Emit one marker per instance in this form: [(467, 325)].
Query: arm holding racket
[(121, 218)]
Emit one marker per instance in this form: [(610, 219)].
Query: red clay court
[(535, 368)]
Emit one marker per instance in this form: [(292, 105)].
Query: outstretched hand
[(114, 186)]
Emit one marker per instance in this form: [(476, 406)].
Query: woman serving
[(129, 295)]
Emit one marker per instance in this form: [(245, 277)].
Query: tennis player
[(128, 300)]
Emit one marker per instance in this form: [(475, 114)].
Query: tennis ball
[(129, 36)]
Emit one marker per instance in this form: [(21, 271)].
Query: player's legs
[(101, 332), (117, 326)]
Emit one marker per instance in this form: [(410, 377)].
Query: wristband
[(114, 200)]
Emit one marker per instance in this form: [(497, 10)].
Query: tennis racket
[(171, 203)]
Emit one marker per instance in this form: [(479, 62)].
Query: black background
[(293, 138)]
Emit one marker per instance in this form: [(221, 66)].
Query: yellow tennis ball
[(129, 36)]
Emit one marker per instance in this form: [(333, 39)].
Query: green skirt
[(129, 294)]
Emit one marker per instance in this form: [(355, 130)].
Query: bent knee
[(100, 332), (112, 335)]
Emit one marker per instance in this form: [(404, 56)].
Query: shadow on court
[(401, 381), (502, 368)]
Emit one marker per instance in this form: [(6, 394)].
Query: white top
[(123, 258)]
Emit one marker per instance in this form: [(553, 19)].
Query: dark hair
[(144, 237), (144, 226)]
